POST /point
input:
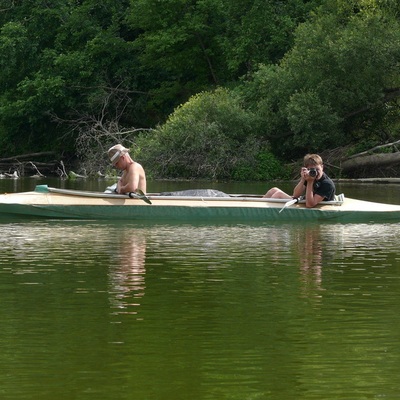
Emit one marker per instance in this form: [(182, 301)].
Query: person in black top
[(314, 184)]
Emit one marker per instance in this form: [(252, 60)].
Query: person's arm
[(306, 180), (131, 179), (312, 199), (118, 188), (299, 188)]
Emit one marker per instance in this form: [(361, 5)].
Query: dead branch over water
[(24, 164)]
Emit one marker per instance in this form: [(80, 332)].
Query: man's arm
[(131, 180)]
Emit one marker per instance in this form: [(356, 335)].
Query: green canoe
[(47, 202)]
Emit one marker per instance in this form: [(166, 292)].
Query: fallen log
[(382, 146), (373, 160), (28, 155)]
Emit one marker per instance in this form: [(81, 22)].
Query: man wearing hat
[(133, 175)]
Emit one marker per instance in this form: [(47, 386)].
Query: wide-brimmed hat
[(115, 153)]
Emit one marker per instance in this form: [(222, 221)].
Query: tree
[(179, 50), (194, 45), (211, 136), (337, 84), (61, 60), (66, 58), (260, 31)]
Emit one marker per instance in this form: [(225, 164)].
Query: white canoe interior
[(57, 196)]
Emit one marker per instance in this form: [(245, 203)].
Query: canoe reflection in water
[(127, 274)]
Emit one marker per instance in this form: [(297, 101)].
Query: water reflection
[(35, 250), (177, 311), (311, 251), (40, 251), (127, 272)]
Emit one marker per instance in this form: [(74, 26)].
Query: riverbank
[(369, 180)]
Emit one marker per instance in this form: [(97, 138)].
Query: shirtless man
[(133, 175), (314, 183)]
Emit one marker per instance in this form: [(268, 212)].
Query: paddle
[(290, 203), (139, 195), (133, 195)]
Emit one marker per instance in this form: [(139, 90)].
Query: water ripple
[(230, 311)]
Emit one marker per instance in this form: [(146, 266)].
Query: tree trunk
[(369, 161)]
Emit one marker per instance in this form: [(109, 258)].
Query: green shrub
[(265, 168), (212, 136)]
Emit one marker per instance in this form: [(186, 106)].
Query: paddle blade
[(142, 196), (288, 204)]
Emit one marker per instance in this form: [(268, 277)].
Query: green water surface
[(94, 310), (100, 311)]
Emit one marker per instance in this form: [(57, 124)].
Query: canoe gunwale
[(154, 196)]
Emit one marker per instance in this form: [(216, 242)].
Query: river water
[(103, 310)]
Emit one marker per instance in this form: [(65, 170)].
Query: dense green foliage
[(297, 75), (64, 63), (333, 87), (210, 136)]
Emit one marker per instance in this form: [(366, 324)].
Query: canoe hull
[(97, 206)]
